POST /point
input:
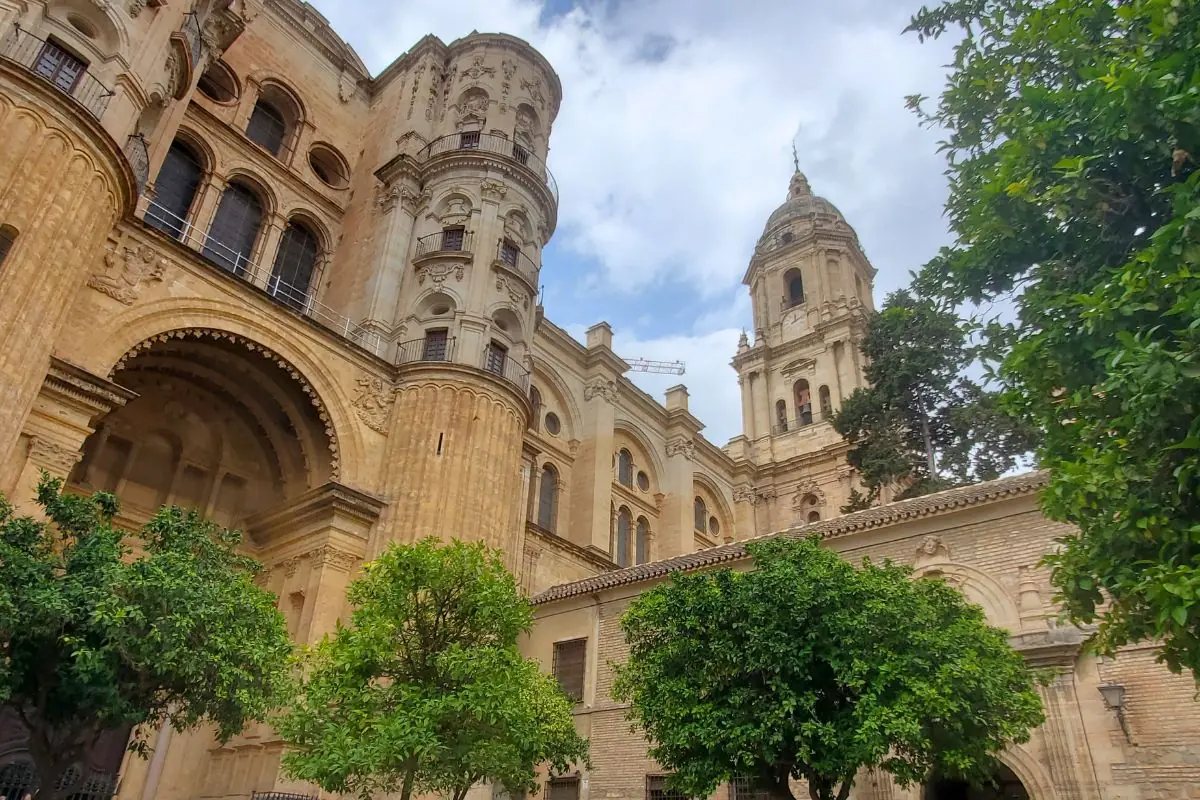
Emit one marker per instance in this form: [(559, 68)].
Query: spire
[(799, 186)]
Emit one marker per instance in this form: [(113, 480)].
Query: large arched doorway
[(219, 425), (1005, 785)]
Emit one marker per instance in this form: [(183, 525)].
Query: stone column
[(69, 404), (63, 184), (675, 534), (591, 503)]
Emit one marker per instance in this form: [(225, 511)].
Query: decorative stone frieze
[(602, 388)]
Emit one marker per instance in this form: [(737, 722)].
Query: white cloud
[(673, 142)]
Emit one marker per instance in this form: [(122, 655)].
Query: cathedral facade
[(243, 275)]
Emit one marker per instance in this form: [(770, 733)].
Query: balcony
[(441, 349), (138, 154), (493, 144), (297, 299), (453, 240), (56, 66), (510, 257)]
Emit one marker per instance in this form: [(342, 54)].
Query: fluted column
[(63, 184), (453, 463)]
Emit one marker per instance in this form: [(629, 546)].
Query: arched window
[(294, 264), (781, 420), (625, 468), (175, 189), (234, 229), (701, 515), (814, 516), (826, 403), (267, 128), (642, 544), (624, 532), (803, 402), (8, 235), (535, 400), (793, 286), (548, 499)]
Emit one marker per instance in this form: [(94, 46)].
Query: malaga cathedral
[(241, 274)]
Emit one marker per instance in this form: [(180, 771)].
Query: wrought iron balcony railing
[(493, 144), (511, 256), (233, 261), (453, 240), (138, 154), (438, 348), (57, 67)]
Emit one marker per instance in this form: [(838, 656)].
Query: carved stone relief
[(493, 189), (373, 403), (412, 100), (328, 556), (534, 89), (135, 8), (127, 271), (347, 85), (600, 387), (516, 293), (53, 457), (932, 549), (476, 70), (438, 273), (386, 198), (806, 489), (679, 446)]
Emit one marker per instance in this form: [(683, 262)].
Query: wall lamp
[(1114, 700)]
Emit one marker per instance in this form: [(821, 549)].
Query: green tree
[(920, 424), (95, 636), (1073, 131), (426, 690), (808, 668)]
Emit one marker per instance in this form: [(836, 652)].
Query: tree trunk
[(406, 788), (928, 439)]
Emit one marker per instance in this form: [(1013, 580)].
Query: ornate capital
[(753, 494), (492, 189), (600, 387), (387, 196), (373, 403), (680, 446), (329, 556), (53, 457)]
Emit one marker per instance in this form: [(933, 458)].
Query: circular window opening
[(787, 237), (714, 527), (553, 425), (218, 84), (82, 25), (329, 166), (501, 323), (643, 481), (437, 311)]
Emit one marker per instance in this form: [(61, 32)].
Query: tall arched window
[(234, 229), (826, 403), (701, 515), (267, 127), (548, 499), (294, 264), (8, 235), (175, 189), (803, 402), (793, 286), (642, 542), (624, 534), (781, 419), (625, 468), (535, 400)]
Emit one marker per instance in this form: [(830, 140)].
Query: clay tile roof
[(877, 517)]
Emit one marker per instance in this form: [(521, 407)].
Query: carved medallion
[(373, 403), (127, 271), (439, 272), (514, 290)]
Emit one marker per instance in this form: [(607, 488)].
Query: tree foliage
[(807, 668), (95, 636), (920, 424), (425, 689), (1073, 136)]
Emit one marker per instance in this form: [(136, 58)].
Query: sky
[(674, 144)]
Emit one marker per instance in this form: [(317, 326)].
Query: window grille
[(656, 789), (452, 238), (234, 229), (562, 789), (294, 264), (267, 128), (468, 140), (570, 663), (59, 67), (435, 345)]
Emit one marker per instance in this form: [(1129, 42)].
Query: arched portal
[(1005, 785), (219, 425)]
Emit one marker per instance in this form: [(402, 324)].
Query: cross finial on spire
[(795, 157)]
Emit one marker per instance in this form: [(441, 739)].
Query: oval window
[(328, 165), (643, 481), (218, 84), (553, 426)]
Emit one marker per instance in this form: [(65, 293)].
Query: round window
[(553, 426), (643, 481), (714, 527), (328, 165), (82, 25)]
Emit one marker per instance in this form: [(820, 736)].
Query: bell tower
[(810, 289)]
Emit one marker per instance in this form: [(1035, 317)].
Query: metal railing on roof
[(495, 144), (37, 56), (233, 261)]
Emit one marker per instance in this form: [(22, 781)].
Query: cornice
[(462, 376), (588, 555), (877, 517), (454, 161), (287, 9), (76, 384), (333, 499), (504, 41)]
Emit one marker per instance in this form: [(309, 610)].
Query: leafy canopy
[(810, 669), (920, 424), (1074, 131), (426, 690), (95, 636)]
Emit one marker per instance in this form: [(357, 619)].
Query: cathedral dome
[(800, 203)]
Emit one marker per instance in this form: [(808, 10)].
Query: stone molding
[(317, 506), (254, 347), (590, 555), (55, 458), (67, 382)]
